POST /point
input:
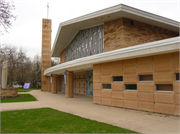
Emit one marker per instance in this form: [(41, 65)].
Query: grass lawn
[(47, 120), (27, 97), (27, 90)]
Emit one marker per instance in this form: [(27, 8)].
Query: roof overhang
[(86, 63), (68, 29)]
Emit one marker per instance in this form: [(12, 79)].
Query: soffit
[(68, 29)]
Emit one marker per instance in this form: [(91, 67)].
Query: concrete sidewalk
[(143, 122)]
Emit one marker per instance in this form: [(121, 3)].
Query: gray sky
[(27, 29)]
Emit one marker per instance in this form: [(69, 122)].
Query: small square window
[(177, 76), (106, 86), (131, 86), (117, 78), (164, 87), (146, 77)]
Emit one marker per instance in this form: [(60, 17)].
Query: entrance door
[(89, 83), (63, 86)]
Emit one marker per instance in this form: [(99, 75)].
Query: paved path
[(143, 122)]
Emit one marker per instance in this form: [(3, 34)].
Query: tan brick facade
[(145, 97), (120, 33)]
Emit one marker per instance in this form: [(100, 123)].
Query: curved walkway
[(143, 122)]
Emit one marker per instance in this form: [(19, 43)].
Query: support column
[(69, 84), (53, 85), (58, 83)]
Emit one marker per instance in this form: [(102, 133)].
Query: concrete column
[(53, 85), (69, 84)]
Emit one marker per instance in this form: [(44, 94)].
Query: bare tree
[(10, 53), (23, 68), (6, 14), (36, 72)]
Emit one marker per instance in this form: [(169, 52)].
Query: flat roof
[(67, 30)]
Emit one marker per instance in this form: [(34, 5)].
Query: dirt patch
[(9, 97)]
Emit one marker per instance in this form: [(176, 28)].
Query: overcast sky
[(27, 29)]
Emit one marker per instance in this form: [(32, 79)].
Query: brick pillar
[(58, 83), (69, 84), (53, 85)]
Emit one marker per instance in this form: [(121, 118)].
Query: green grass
[(19, 99), (27, 90), (47, 120)]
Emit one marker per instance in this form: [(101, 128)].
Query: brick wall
[(120, 33), (163, 67), (8, 92), (79, 83), (62, 57)]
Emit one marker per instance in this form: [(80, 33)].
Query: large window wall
[(87, 42)]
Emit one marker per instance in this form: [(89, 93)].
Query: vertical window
[(177, 76)]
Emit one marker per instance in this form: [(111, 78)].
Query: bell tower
[(45, 54)]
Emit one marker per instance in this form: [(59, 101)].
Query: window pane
[(146, 77), (106, 86), (117, 78), (164, 87), (177, 76), (131, 87)]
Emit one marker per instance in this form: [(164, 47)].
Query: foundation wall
[(8, 92), (163, 68)]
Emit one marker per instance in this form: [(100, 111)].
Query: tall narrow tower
[(45, 54)]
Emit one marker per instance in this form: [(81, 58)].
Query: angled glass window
[(91, 39)]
